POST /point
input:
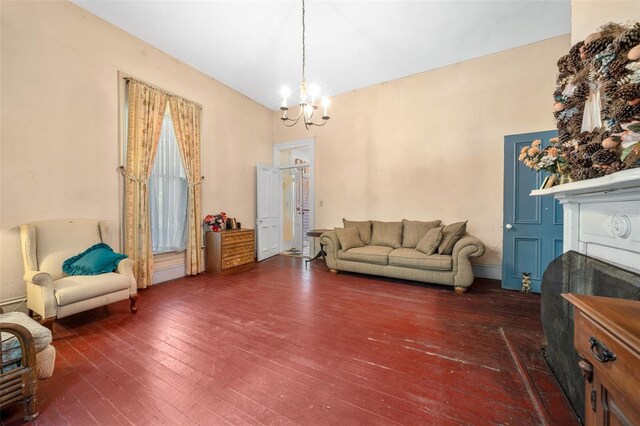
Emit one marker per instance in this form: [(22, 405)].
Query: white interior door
[(268, 211)]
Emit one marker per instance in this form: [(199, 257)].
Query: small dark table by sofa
[(315, 233)]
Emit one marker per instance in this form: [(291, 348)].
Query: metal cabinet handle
[(600, 351)]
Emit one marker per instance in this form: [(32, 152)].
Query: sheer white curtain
[(168, 194)]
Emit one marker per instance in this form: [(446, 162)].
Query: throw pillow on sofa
[(413, 231), (349, 238), (97, 259), (451, 234), (429, 243), (363, 226), (387, 234)]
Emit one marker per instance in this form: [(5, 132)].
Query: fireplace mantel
[(602, 217)]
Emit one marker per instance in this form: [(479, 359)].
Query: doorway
[(532, 226), (295, 162)]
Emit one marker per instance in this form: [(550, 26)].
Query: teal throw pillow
[(97, 259)]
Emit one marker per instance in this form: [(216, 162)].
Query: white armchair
[(53, 294)]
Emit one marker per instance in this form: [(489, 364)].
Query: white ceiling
[(255, 47)]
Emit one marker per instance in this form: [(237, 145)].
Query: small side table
[(315, 233)]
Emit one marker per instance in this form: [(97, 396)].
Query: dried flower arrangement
[(548, 158)]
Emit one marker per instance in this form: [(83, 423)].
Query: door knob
[(508, 226)]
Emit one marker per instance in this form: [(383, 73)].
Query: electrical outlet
[(321, 203)]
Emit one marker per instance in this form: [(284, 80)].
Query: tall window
[(168, 193)]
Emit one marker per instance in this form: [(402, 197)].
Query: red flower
[(215, 228)]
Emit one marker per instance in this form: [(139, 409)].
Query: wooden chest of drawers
[(607, 338), (228, 249)]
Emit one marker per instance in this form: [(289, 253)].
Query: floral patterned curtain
[(186, 120), (146, 112)]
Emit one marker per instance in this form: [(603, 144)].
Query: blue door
[(532, 226)]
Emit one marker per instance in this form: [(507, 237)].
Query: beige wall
[(431, 145), (59, 118), (588, 15)]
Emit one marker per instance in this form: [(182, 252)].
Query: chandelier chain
[(303, 44)]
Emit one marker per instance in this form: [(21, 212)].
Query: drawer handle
[(600, 351)]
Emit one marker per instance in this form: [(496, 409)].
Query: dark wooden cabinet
[(228, 249), (607, 338)]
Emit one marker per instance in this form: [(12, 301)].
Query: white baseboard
[(10, 305), (168, 273), (493, 272)]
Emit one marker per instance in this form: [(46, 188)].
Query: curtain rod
[(125, 76)]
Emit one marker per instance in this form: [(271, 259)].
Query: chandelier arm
[(318, 125), (293, 122)]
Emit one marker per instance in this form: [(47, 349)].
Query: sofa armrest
[(125, 267), (331, 245), (40, 278), (40, 293), (467, 247)]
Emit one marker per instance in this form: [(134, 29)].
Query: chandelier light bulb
[(285, 92), (314, 92), (325, 105)]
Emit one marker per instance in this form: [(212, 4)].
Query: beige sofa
[(389, 250), (51, 293)]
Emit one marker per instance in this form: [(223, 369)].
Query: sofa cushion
[(366, 254), (450, 236), (429, 243), (413, 231), (411, 258), (349, 237), (364, 227), (387, 234), (75, 288)]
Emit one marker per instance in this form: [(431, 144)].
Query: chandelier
[(308, 97)]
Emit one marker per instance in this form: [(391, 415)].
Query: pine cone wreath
[(590, 148), (616, 128), (557, 94), (613, 29), (605, 156), (564, 135), (590, 173), (564, 65), (627, 39), (596, 46), (617, 68), (582, 91), (574, 57), (583, 138), (583, 163), (625, 112), (629, 92), (575, 123), (616, 166)]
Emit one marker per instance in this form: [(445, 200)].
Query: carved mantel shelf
[(602, 217)]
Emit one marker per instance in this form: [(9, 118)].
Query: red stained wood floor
[(280, 344)]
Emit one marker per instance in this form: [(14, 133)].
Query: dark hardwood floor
[(281, 344)]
